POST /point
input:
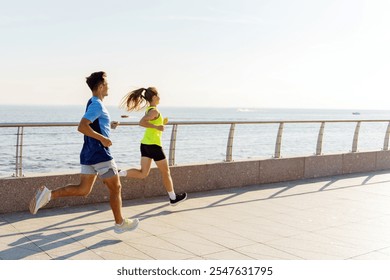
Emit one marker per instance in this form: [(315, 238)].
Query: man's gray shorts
[(104, 169)]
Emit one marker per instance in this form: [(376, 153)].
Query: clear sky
[(209, 53)]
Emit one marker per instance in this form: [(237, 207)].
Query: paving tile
[(335, 218), (385, 250), (120, 250), (356, 236), (18, 253), (262, 251), (156, 227), (158, 243), (58, 248), (228, 255), (75, 255), (315, 246), (375, 255), (224, 238), (117, 256), (39, 256), (271, 225), (22, 242), (192, 243)]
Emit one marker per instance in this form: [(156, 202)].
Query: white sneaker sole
[(120, 230), (35, 201)]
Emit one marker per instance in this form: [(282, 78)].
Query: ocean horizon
[(56, 113)]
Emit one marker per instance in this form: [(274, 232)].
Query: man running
[(95, 158)]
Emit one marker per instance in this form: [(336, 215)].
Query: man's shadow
[(42, 241)]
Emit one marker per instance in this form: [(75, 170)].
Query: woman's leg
[(142, 173), (166, 174), (168, 184)]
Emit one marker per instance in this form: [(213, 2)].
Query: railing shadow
[(48, 238), (281, 188), (42, 240)]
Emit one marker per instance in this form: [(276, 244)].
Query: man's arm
[(85, 129)]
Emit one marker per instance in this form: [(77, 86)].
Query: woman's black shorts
[(154, 152)]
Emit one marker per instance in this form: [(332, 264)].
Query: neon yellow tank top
[(153, 136)]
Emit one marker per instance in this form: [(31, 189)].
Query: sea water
[(56, 149)]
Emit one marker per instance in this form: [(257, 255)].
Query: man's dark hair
[(95, 79)]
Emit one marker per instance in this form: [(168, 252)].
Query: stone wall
[(17, 192)]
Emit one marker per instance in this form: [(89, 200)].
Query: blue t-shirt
[(93, 150)]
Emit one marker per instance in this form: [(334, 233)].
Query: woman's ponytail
[(138, 99)]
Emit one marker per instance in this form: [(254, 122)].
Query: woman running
[(151, 144)]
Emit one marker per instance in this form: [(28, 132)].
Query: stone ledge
[(17, 192)]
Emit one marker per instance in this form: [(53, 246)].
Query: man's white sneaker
[(127, 225), (41, 198)]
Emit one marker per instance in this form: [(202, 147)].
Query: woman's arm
[(151, 115)]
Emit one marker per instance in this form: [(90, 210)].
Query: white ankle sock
[(123, 173), (172, 195)]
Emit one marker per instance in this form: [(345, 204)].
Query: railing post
[(172, 146), (356, 138), (19, 153), (278, 144), (319, 139), (386, 142), (229, 148)]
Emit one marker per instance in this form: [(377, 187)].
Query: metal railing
[(230, 139)]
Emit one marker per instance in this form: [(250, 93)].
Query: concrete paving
[(334, 218)]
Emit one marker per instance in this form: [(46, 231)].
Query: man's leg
[(115, 189), (121, 224), (44, 195), (81, 189)]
